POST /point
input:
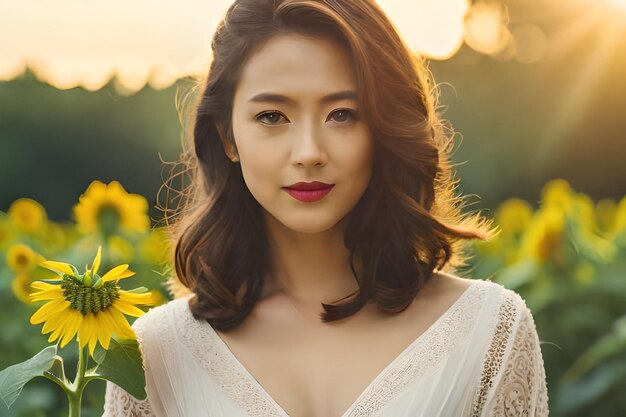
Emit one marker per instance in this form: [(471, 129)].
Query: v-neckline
[(250, 378)]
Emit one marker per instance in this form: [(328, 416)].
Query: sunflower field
[(105, 216), (566, 258)]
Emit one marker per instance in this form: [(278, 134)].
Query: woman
[(323, 175)]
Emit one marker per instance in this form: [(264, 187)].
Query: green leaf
[(122, 365), (590, 389), (611, 344), (13, 378), (57, 369)]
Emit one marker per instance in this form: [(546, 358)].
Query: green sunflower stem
[(75, 393)]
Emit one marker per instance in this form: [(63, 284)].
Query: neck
[(309, 267)]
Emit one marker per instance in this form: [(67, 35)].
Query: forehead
[(297, 64)]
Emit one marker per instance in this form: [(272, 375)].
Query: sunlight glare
[(77, 43), (11, 67), (620, 4), (432, 28), (485, 28)]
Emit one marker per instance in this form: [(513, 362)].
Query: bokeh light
[(621, 4), (76, 43), (486, 27), (432, 28)]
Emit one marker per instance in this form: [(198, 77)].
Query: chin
[(307, 223)]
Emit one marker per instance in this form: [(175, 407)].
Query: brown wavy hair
[(407, 225)]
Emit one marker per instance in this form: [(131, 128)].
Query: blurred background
[(92, 99)]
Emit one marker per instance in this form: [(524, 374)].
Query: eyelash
[(351, 113)]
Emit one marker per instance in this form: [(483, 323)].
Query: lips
[(315, 185), (309, 192)]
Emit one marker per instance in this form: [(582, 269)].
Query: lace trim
[(119, 403), (233, 380), (432, 346), (523, 390), (542, 384), (495, 354)]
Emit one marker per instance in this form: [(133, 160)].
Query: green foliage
[(121, 364), (13, 378)]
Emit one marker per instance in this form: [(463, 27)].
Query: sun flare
[(620, 4)]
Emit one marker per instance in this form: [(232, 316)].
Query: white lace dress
[(480, 358)]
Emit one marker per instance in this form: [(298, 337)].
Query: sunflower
[(109, 208), (20, 285), (27, 214), (21, 258), (88, 306), (5, 231), (514, 216), (545, 236), (155, 247)]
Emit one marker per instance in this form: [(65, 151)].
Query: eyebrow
[(278, 98)]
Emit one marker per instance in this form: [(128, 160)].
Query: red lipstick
[(309, 192)]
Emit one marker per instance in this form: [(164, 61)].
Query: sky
[(84, 43)]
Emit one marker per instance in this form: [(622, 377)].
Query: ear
[(227, 142)]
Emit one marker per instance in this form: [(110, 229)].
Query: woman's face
[(295, 119)]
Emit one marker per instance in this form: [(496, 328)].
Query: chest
[(314, 371)]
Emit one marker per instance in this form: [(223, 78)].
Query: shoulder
[(161, 314), (448, 283), (513, 320)]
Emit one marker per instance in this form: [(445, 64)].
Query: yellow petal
[(55, 334), (125, 274), (49, 309), (43, 286), (56, 279), (73, 323), (92, 344), (58, 267), (128, 309), (87, 330), (105, 316), (53, 322), (104, 331), (115, 273), (58, 332), (133, 298), (46, 295), (96, 261), (122, 325), (83, 331)]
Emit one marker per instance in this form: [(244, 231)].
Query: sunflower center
[(109, 219), (22, 260), (87, 299)]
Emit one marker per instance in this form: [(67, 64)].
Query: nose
[(307, 149)]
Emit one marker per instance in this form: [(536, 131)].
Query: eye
[(342, 115), (270, 117)]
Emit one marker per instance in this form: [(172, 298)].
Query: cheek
[(361, 157), (253, 156), (260, 168), (258, 172)]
